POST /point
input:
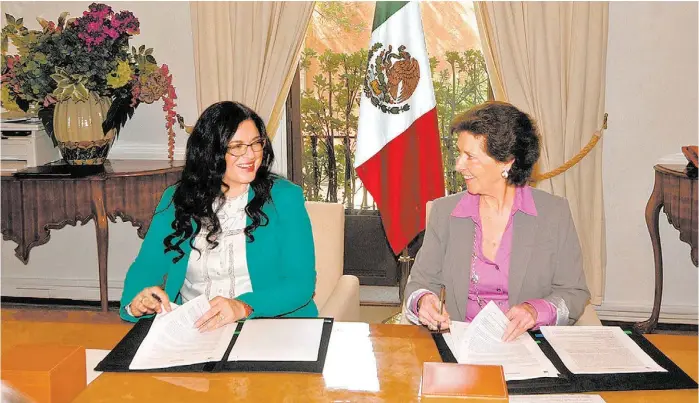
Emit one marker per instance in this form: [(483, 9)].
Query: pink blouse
[(488, 280)]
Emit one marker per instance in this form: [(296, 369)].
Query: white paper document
[(598, 350), (456, 332), (481, 343), (173, 340), (556, 399), (278, 340)]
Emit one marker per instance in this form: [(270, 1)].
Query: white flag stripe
[(377, 128)]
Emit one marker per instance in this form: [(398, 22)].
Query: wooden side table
[(675, 189), (130, 189)]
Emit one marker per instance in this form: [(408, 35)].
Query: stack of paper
[(173, 340), (598, 350), (556, 399), (481, 343)]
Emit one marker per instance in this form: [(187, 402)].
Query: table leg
[(655, 202), (102, 231)]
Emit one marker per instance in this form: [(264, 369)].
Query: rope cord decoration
[(577, 158)]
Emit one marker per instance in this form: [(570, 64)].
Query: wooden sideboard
[(675, 190), (129, 189)]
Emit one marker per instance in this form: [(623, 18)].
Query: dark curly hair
[(509, 134), (203, 172)]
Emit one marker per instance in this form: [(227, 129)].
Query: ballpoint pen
[(442, 295)]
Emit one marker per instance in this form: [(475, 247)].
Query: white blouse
[(223, 270)]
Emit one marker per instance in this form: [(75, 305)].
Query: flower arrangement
[(81, 56)]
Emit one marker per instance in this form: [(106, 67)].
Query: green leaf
[(42, 22), (149, 51), (82, 92), (141, 49), (62, 18), (133, 51), (10, 19), (20, 21), (58, 77), (151, 59), (119, 113)]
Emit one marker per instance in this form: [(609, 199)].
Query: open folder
[(170, 343), (585, 359)]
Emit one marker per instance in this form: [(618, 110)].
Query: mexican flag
[(398, 156)]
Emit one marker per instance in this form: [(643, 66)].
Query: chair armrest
[(589, 317), (343, 303)]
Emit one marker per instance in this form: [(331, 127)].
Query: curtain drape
[(248, 52), (549, 60)]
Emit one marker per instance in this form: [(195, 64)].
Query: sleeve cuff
[(411, 305), (546, 312)]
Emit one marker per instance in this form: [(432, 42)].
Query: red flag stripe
[(403, 176)]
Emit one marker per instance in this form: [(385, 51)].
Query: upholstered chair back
[(328, 223)]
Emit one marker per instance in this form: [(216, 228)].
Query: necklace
[(474, 276)]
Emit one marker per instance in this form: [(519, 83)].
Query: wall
[(652, 106)]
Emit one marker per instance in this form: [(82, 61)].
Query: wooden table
[(129, 189), (369, 363), (675, 189)]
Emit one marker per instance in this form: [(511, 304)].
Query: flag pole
[(404, 260)]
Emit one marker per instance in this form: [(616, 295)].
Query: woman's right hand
[(428, 313), (146, 303)]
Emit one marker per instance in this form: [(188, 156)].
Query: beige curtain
[(248, 52), (549, 59)]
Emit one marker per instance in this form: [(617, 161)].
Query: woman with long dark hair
[(229, 229)]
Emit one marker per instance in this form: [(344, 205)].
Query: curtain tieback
[(577, 158)]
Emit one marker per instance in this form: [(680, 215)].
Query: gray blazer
[(545, 262)]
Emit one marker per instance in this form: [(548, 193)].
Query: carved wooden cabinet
[(129, 189), (675, 190)]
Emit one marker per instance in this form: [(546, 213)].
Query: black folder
[(119, 359), (567, 382)]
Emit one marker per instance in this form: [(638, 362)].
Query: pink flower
[(111, 32), (94, 27)]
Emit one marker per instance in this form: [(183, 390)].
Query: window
[(329, 89), (332, 74)]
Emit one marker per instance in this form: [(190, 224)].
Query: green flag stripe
[(385, 9)]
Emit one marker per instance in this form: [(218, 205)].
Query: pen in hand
[(442, 295), (160, 301)]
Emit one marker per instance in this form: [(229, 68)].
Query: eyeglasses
[(241, 148)]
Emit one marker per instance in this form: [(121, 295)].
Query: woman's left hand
[(223, 311), (522, 318)]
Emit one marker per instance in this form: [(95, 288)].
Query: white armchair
[(336, 295)]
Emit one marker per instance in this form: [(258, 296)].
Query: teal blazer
[(281, 260)]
